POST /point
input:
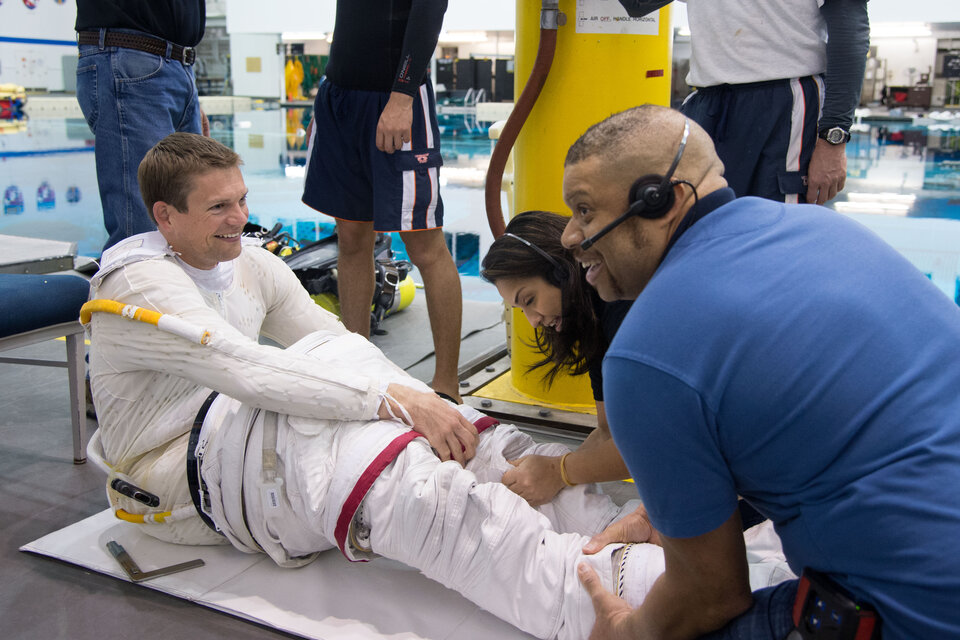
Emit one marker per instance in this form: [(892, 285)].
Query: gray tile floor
[(41, 491)]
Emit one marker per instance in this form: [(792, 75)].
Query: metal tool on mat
[(133, 571)]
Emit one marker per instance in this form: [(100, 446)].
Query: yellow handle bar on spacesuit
[(176, 515), (96, 455), (170, 324)]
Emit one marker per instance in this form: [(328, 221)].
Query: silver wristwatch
[(835, 135)]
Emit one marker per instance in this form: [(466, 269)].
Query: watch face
[(836, 135)]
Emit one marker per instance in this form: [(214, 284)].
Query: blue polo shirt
[(786, 354)]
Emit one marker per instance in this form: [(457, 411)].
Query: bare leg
[(356, 278), (428, 251)]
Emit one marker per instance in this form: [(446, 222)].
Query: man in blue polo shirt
[(780, 353)]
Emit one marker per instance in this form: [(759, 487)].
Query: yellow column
[(593, 76)]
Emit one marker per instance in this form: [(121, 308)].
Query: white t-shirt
[(739, 41)]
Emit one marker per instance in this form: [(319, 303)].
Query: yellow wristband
[(563, 470)]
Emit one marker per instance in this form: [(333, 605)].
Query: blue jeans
[(131, 100), (770, 617)]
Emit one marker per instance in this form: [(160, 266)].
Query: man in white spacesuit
[(316, 445)]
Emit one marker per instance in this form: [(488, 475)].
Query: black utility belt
[(156, 46), (824, 610), (198, 488)]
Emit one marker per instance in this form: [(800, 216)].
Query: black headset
[(559, 275), (650, 197)]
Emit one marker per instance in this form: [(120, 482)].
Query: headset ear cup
[(648, 200)]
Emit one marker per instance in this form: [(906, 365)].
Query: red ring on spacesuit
[(372, 472)]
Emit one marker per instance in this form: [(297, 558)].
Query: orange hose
[(522, 109)]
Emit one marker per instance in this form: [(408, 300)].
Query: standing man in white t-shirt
[(776, 85)]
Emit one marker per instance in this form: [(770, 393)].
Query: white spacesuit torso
[(148, 385)]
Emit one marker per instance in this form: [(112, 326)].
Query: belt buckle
[(188, 52)]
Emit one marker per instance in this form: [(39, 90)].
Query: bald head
[(620, 245), (644, 140)]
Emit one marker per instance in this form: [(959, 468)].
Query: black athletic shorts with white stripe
[(764, 132), (348, 178)]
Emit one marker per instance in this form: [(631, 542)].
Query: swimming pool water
[(48, 179)]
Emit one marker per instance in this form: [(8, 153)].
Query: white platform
[(330, 599)]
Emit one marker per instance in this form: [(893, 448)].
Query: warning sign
[(609, 16)]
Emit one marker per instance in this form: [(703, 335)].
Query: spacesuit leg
[(581, 509), (485, 542)]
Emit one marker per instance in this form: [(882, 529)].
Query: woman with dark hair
[(572, 329)]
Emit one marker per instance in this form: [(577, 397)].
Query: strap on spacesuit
[(195, 449), (143, 246), (389, 402), (271, 481)]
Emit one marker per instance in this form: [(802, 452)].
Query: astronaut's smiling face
[(208, 232)]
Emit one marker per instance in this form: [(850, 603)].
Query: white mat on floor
[(330, 599)]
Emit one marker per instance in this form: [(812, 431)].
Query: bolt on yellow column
[(595, 73)]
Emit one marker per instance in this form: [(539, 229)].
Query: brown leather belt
[(156, 46)]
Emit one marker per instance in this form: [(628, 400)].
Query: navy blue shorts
[(765, 133), (348, 178)]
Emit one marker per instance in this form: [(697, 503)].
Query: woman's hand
[(536, 479)]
